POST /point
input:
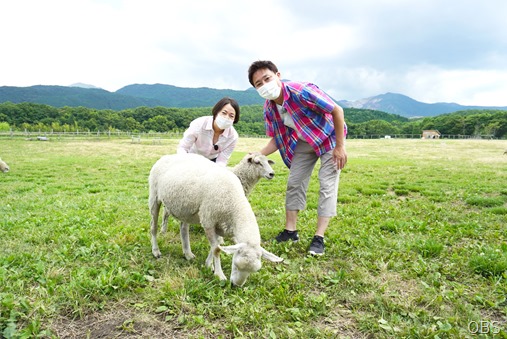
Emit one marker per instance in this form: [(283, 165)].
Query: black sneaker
[(286, 235), (317, 246)]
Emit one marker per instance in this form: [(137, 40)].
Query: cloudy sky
[(430, 50)]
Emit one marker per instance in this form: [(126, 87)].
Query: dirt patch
[(342, 324), (120, 322)]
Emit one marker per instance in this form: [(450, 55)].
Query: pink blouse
[(198, 138)]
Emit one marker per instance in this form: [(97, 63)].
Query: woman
[(213, 137)]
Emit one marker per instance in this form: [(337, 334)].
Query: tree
[(158, 124), (4, 126)]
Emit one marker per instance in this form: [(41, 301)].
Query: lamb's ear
[(231, 249), (252, 157), (271, 162), (270, 256)]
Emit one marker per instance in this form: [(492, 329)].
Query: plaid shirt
[(310, 108)]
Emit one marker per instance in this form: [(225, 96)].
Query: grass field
[(418, 249)]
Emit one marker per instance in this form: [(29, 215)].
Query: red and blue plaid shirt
[(310, 108)]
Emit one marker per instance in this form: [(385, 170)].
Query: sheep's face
[(245, 261), (262, 164), (3, 167)]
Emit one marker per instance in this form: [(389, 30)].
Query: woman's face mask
[(270, 90), (223, 122)]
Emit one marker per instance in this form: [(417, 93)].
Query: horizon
[(91, 86)]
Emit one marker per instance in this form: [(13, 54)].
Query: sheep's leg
[(214, 254), (154, 210), (185, 241), (209, 260), (165, 221), (217, 264)]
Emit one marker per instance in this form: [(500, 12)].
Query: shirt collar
[(209, 123)]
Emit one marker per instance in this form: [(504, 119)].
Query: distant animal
[(249, 170), (505, 152), (195, 190), (3, 166)]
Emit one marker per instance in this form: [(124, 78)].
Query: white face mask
[(222, 122), (270, 90)]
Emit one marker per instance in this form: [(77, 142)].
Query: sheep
[(195, 190), (249, 170), (3, 166)]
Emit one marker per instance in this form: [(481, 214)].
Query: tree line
[(360, 122)]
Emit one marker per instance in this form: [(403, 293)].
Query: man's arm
[(339, 152), (270, 147)]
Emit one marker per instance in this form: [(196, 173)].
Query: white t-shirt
[(287, 119)]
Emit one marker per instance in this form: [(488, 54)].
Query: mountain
[(407, 107), (127, 97), (172, 96), (137, 95), (60, 96)]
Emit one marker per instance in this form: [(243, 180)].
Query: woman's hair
[(260, 64), (221, 103)]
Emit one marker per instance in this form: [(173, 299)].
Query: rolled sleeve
[(188, 140)]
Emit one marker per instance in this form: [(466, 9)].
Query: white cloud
[(433, 51), (473, 87)]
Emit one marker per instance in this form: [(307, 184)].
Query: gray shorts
[(300, 172)]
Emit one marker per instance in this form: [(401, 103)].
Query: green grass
[(418, 248)]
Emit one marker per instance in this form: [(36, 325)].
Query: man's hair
[(260, 64), (221, 103)]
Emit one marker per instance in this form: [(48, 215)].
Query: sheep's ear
[(270, 256), (231, 249), (252, 157), (271, 162)]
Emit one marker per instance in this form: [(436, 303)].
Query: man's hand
[(340, 157)]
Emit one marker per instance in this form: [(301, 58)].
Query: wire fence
[(419, 136), (44, 135), (157, 136)]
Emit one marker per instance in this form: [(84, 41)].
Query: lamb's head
[(246, 259), (261, 164), (3, 166)]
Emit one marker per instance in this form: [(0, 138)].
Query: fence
[(87, 135), (156, 137), (418, 136)]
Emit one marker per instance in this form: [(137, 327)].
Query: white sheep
[(195, 190), (3, 166), (249, 170)]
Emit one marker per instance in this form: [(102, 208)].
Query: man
[(305, 125)]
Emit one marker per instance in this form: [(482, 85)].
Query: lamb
[(249, 170), (3, 166), (196, 190)]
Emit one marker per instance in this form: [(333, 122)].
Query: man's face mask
[(270, 90)]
